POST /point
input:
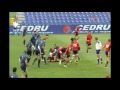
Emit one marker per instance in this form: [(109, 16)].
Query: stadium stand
[(63, 18)]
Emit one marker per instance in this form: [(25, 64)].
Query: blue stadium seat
[(70, 18)]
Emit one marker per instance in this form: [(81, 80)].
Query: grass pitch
[(86, 68)]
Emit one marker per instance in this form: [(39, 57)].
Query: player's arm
[(61, 54), (100, 47), (103, 47), (39, 49), (87, 38), (26, 62)]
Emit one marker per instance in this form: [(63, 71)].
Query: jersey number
[(74, 45), (107, 46)]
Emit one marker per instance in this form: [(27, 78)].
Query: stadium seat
[(61, 18)]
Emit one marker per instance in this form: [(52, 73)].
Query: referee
[(15, 24), (98, 47)]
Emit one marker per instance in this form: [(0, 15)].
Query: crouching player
[(51, 55), (67, 53), (61, 51), (24, 63)]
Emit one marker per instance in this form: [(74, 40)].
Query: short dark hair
[(109, 40), (96, 38), (72, 39), (14, 69), (47, 35), (55, 45)]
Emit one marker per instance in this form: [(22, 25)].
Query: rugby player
[(24, 63), (24, 32), (76, 33), (29, 50), (37, 52), (75, 48), (14, 75), (107, 47), (67, 53), (34, 37), (88, 41)]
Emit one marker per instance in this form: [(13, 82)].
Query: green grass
[(12, 14), (86, 68)]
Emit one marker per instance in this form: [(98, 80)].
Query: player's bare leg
[(23, 74), (98, 60), (39, 57), (33, 49), (88, 47), (76, 56), (108, 58), (44, 57), (24, 40), (72, 58), (66, 61)]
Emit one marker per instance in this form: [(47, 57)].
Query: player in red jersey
[(67, 53), (88, 41), (75, 48), (61, 51), (107, 47), (77, 29), (75, 40)]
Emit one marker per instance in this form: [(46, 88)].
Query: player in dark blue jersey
[(14, 75), (29, 49), (24, 32), (37, 52), (35, 36), (53, 53), (43, 48), (24, 63)]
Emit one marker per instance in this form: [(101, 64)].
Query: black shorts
[(75, 52), (42, 52), (59, 56), (23, 68), (76, 33), (29, 52), (37, 52), (24, 35), (68, 56), (88, 44)]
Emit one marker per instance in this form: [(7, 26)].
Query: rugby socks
[(101, 60), (39, 63), (28, 60), (24, 42), (60, 62), (106, 63), (33, 52), (98, 60), (48, 58), (26, 76), (34, 61), (87, 50), (45, 60)]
